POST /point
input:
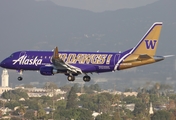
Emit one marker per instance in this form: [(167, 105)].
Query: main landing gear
[(86, 78), (71, 78)]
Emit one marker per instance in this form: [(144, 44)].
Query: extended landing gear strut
[(20, 78)]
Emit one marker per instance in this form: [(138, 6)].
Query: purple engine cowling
[(47, 70)]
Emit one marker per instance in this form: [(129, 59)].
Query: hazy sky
[(102, 5)]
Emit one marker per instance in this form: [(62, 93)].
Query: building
[(4, 89), (151, 109), (130, 106), (130, 94), (5, 78), (95, 114), (39, 92), (4, 82)]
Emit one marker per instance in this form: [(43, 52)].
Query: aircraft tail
[(148, 44)]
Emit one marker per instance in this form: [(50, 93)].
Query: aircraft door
[(22, 53), (116, 58)]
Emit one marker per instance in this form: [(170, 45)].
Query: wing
[(59, 64)]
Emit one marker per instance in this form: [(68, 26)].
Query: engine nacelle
[(47, 70)]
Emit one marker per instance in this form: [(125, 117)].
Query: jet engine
[(48, 70)]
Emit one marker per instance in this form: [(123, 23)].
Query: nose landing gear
[(20, 78), (21, 73)]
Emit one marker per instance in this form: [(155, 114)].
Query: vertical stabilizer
[(148, 44)]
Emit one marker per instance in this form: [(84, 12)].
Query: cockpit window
[(11, 55)]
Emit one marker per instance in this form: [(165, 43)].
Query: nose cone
[(2, 64)]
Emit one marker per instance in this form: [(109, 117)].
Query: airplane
[(75, 63)]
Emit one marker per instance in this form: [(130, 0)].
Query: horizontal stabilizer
[(166, 56), (134, 57), (143, 57)]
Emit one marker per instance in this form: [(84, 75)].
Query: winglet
[(56, 53)]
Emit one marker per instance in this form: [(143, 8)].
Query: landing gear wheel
[(20, 78), (71, 78), (86, 78)]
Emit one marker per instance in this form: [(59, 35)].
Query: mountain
[(42, 25)]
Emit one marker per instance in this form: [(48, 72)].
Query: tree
[(21, 110), (171, 104), (15, 94), (139, 108), (89, 101), (1, 113), (153, 98), (172, 116), (31, 103), (87, 89), (104, 101), (116, 116), (15, 118), (74, 113), (61, 104), (84, 114), (29, 115), (12, 104), (2, 103), (66, 88), (95, 87), (28, 86), (161, 115), (130, 99), (41, 114), (72, 98), (127, 116), (144, 97), (103, 116), (50, 85), (128, 90)]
